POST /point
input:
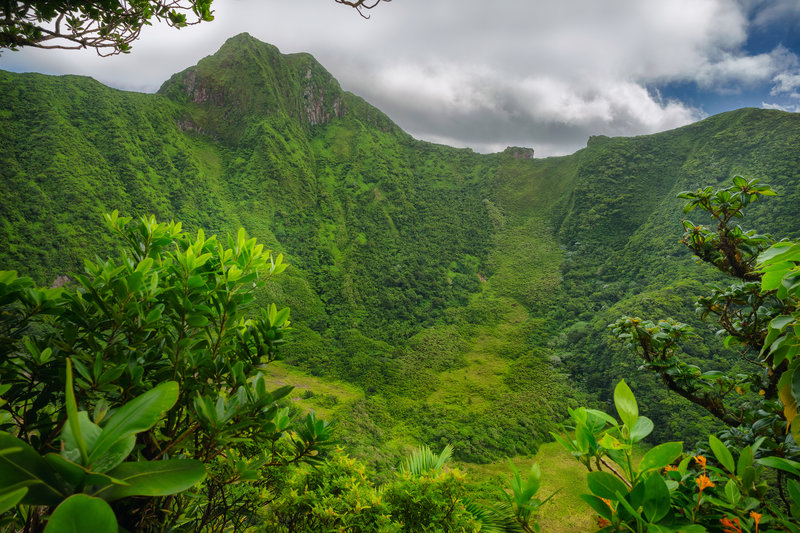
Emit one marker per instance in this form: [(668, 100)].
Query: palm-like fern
[(423, 460)]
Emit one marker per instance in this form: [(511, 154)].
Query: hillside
[(462, 297)]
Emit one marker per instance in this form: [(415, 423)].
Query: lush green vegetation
[(438, 296)]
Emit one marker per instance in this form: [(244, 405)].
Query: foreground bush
[(749, 478), (172, 309)]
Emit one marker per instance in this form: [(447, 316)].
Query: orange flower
[(602, 522), (670, 468), (757, 517), (700, 460), (704, 482), (729, 526)]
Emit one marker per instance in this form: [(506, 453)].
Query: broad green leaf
[(774, 251), (10, 499), (644, 426), (605, 485), (748, 477), (628, 507), (739, 181), (72, 417), (566, 444), (281, 317), (153, 478), (139, 414), (626, 404), (605, 417), (722, 454), (612, 443), (599, 506), (772, 277), (732, 492), (71, 472), (793, 487), (657, 500), (81, 514), (118, 452), (197, 321), (793, 467), (745, 460), (89, 432), (24, 466), (280, 392), (660, 456)]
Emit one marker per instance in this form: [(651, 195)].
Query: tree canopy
[(108, 26)]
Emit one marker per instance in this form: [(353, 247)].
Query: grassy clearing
[(566, 512), (562, 475), (480, 382), (324, 396)]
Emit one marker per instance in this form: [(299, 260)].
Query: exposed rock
[(519, 152), (60, 281), (315, 110)]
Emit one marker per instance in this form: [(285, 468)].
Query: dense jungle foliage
[(438, 296)]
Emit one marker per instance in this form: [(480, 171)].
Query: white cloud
[(484, 74), (786, 83), (791, 108)]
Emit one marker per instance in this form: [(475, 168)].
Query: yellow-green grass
[(323, 389), (562, 476), (480, 382)]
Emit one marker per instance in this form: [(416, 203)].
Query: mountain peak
[(249, 79)]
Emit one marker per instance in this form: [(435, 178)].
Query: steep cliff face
[(247, 81)]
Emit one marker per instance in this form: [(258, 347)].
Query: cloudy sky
[(487, 75)]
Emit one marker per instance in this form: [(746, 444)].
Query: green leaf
[(660, 456), (24, 466), (722, 454), (644, 426), (281, 317), (793, 487), (10, 499), (71, 472), (732, 492), (280, 392), (605, 485), (81, 513), (197, 321), (628, 507), (599, 506), (657, 499), (72, 417), (609, 442), (139, 414), (626, 404), (89, 432), (745, 460), (153, 478), (793, 467)]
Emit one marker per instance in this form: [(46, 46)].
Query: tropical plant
[(338, 495), (422, 460), (757, 312), (171, 309), (667, 491), (90, 470)]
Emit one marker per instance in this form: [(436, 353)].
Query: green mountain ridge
[(466, 294)]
